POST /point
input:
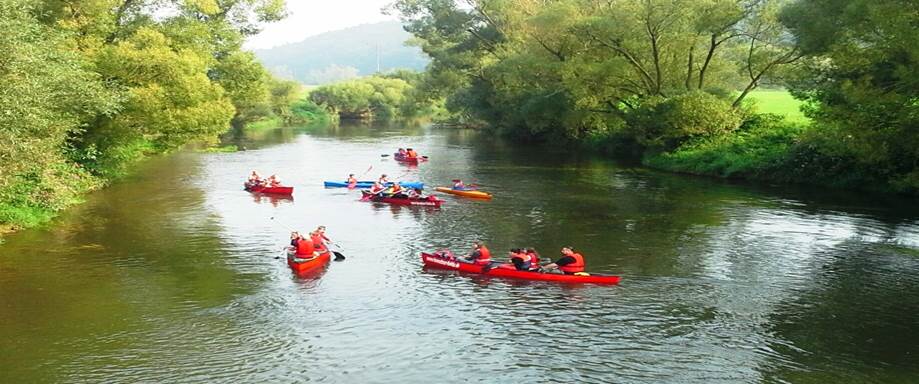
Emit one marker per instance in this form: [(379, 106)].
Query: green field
[(779, 102)]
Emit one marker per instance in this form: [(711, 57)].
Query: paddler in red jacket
[(304, 249), (480, 254), (570, 263), (319, 239)]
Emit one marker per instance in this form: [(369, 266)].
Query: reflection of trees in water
[(859, 319)]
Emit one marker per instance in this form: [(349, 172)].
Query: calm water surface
[(172, 276)]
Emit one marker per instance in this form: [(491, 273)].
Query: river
[(172, 275)]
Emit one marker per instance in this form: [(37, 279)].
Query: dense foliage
[(668, 80), (383, 97), (863, 79), (88, 87)]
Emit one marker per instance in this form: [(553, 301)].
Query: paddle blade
[(384, 155), (338, 256)]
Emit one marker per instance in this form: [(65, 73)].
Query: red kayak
[(429, 201), (270, 190), (451, 263), (310, 265)]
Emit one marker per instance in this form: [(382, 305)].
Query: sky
[(311, 17)]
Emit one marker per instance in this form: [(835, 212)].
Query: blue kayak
[(368, 184)]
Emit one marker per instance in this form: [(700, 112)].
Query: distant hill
[(348, 53)]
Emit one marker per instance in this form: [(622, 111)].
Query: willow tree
[(577, 67)]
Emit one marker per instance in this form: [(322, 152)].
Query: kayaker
[(534, 258), (458, 185), (318, 238), (254, 178), (273, 181), (521, 259), (304, 249), (414, 193), (570, 263), (411, 154), (294, 236), (377, 188), (396, 190), (352, 181), (383, 180), (480, 254), (401, 152)]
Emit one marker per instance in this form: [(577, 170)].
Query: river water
[(171, 275)]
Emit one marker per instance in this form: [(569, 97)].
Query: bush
[(666, 123), (758, 148)]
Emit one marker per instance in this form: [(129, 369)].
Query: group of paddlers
[(303, 248), (521, 259), (256, 180), (384, 188)]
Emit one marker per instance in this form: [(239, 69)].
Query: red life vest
[(576, 266), (484, 256), (305, 248), (317, 242), (534, 259)]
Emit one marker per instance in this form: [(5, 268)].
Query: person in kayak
[(414, 193), (458, 185), (319, 239), (480, 254), (273, 181), (377, 188), (411, 154), (396, 190), (521, 259), (352, 181), (401, 152), (304, 249), (570, 263), (534, 258), (255, 178), (383, 180)]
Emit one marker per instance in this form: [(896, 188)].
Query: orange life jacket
[(317, 242), (484, 256), (576, 266), (305, 248), (411, 154)]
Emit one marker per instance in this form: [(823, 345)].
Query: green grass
[(268, 123), (779, 102)]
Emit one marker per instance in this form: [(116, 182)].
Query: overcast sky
[(312, 17)]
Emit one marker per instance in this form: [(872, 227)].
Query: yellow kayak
[(467, 193)]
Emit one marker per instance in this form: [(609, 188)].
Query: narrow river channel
[(171, 275)]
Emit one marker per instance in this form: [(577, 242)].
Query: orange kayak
[(465, 193)]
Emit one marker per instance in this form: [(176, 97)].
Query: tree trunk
[(689, 67)]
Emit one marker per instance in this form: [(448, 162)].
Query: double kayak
[(452, 263), (368, 184), (269, 190), (428, 201), (309, 265), (464, 192)]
